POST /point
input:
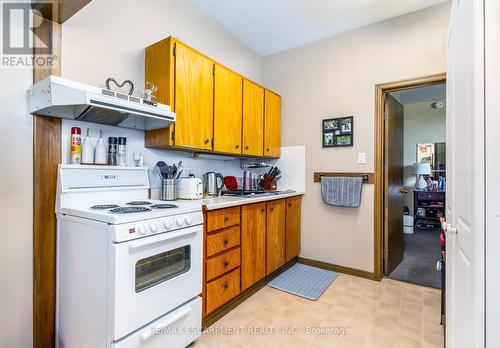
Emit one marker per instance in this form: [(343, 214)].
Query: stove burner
[(127, 210), (139, 203), (163, 206), (104, 206)]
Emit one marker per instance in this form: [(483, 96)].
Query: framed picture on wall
[(338, 132)]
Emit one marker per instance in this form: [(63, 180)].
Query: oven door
[(152, 276)]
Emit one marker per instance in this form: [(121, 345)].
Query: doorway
[(410, 256)]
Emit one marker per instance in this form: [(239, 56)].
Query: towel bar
[(368, 178)]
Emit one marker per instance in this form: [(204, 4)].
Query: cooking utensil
[(180, 168)]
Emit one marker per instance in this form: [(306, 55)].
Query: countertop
[(233, 201)]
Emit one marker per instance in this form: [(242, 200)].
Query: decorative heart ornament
[(120, 85)]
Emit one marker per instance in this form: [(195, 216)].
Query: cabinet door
[(253, 119), (228, 110), (253, 244), (292, 228), (272, 114), (193, 98), (275, 235)]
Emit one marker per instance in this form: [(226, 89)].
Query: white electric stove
[(129, 268)]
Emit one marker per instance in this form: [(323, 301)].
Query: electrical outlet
[(361, 158)]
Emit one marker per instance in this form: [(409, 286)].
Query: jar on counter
[(112, 147)]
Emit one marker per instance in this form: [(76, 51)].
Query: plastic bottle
[(100, 151), (87, 149), (76, 145), (121, 156)]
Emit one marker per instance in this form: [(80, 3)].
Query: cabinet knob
[(207, 141), (237, 147), (263, 211), (226, 263), (226, 218), (267, 149), (271, 209), (289, 205), (247, 147), (226, 241)]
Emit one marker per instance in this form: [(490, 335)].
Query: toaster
[(190, 188)]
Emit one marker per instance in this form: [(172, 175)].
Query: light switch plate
[(361, 158)]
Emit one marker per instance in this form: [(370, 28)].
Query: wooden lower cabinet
[(292, 238), (275, 248), (222, 290), (245, 244), (253, 244)]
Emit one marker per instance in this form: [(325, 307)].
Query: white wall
[(107, 38), (16, 210), (422, 125), (335, 77)]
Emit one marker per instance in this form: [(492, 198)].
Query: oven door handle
[(161, 238), (181, 313)]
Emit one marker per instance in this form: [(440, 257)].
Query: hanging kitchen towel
[(341, 191)]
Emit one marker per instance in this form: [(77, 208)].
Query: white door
[(465, 172)]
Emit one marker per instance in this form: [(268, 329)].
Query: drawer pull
[(207, 141), (226, 263), (237, 147), (271, 209), (226, 285), (263, 211), (226, 218), (289, 205), (226, 241), (247, 147)]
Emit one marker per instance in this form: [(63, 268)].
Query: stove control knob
[(153, 227), (168, 224), (179, 221), (141, 229), (188, 219)]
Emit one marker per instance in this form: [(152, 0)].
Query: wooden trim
[(61, 10), (243, 296), (370, 177), (336, 268), (380, 90)]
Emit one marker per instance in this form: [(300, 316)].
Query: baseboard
[(235, 302), (336, 268)]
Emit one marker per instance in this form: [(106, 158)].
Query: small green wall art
[(338, 132)]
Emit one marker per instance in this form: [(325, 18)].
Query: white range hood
[(58, 97)]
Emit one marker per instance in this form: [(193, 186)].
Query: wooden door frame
[(380, 90)]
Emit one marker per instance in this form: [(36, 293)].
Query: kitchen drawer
[(226, 239), (223, 263), (222, 290), (222, 218), (430, 196)]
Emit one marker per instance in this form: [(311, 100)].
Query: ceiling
[(421, 94), (271, 26)]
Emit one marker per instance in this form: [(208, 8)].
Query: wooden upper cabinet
[(253, 244), (184, 78), (292, 248), (272, 124), (227, 110), (275, 235), (253, 119), (193, 98)]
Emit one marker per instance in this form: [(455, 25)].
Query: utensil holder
[(169, 189)]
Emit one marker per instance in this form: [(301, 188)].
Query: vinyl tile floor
[(352, 312)]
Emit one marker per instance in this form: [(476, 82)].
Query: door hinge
[(174, 51), (173, 135), (386, 253), (386, 115), (212, 143), (213, 69)]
